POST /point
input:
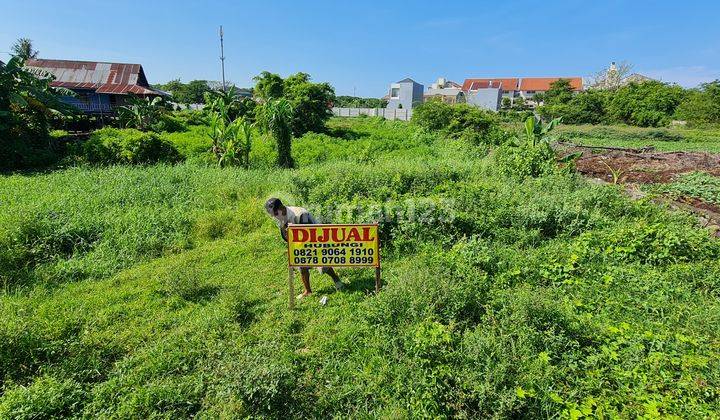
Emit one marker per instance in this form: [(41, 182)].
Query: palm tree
[(279, 121), (23, 48)]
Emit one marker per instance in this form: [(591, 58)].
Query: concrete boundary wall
[(390, 114)]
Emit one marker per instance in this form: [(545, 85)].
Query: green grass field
[(160, 291), (662, 139)]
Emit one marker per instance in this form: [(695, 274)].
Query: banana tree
[(27, 100), (232, 140), (536, 131), (141, 113)]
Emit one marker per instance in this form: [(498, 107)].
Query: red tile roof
[(116, 78), (543, 83), (520, 83), (508, 84)]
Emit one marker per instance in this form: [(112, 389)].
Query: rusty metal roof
[(115, 78)]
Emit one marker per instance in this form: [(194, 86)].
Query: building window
[(395, 92)]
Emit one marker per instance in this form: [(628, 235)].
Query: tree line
[(645, 104)]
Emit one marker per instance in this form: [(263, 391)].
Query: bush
[(459, 121), (191, 117), (110, 146), (525, 160), (168, 123), (587, 107), (701, 106), (647, 104)]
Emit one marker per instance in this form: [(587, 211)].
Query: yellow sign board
[(333, 245)]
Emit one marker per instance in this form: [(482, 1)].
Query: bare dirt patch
[(640, 165), (645, 166)]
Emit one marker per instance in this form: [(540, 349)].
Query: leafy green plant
[(536, 132), (110, 146), (615, 172), (695, 184), (232, 139), (141, 113), (532, 158), (27, 104), (459, 121), (279, 120)]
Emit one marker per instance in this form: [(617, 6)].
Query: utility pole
[(222, 57)]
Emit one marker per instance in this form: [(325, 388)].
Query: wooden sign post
[(337, 246)]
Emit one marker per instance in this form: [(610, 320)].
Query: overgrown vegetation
[(645, 104), (460, 121), (698, 185), (160, 291), (662, 139), (357, 102), (27, 102), (111, 146), (310, 102)]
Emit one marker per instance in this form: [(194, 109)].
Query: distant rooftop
[(102, 77), (520, 83)]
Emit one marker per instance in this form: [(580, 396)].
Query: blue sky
[(362, 46)]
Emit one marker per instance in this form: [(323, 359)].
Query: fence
[(390, 114)]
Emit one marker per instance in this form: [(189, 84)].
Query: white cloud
[(687, 76)]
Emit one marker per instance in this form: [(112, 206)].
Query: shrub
[(192, 143), (168, 123), (701, 106), (647, 104), (191, 117), (110, 146), (525, 160), (584, 108), (459, 121), (433, 115)]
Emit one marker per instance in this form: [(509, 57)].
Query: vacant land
[(661, 139), (133, 292)]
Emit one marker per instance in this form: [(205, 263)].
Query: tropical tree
[(268, 86), (357, 102), (646, 104), (560, 92), (141, 113), (235, 106), (27, 102), (278, 114), (232, 139), (311, 103), (192, 92), (23, 48)]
